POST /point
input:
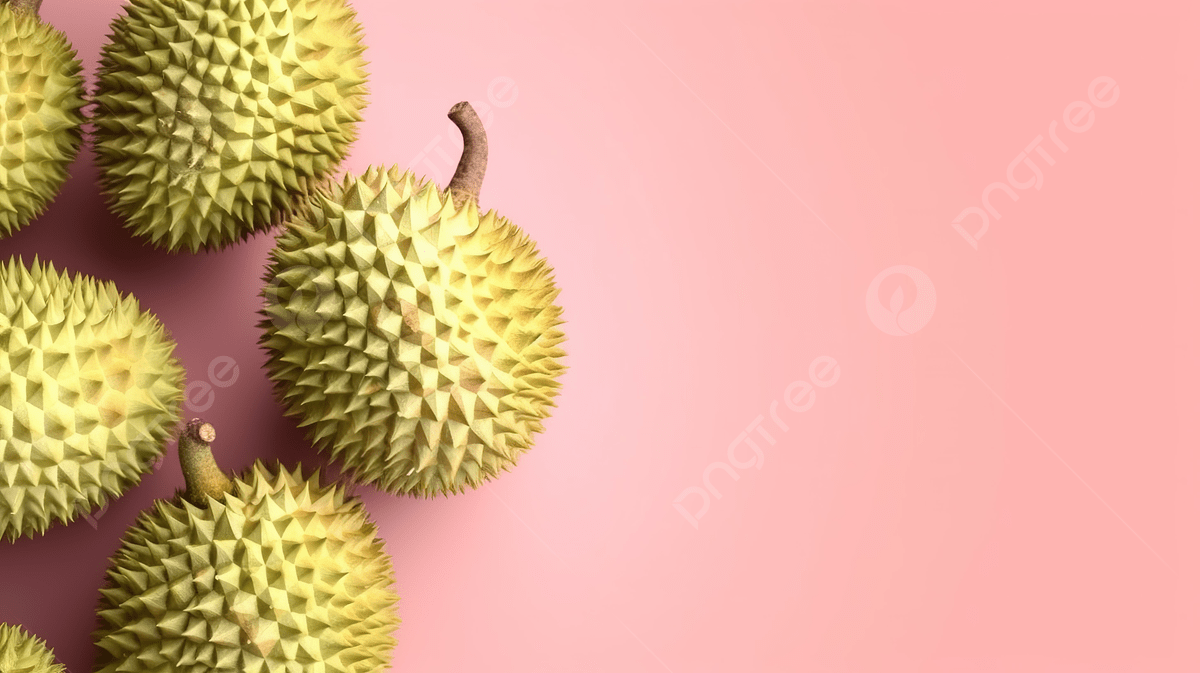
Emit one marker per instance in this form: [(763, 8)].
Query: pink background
[(1011, 488)]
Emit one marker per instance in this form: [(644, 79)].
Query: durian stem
[(25, 6), (468, 177), (201, 473)]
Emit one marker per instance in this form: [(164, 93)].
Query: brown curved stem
[(468, 177), (25, 6), (201, 474)]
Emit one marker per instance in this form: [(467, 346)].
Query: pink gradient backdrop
[(1012, 488)]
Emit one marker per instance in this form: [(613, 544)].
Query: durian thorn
[(25, 6), (201, 474), (468, 177)]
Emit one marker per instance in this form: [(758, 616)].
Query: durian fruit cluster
[(41, 94), (89, 391), (282, 574), (215, 118), (416, 337), (429, 358), (21, 652)]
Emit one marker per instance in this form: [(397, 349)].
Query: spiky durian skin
[(280, 575), (417, 341), (41, 97), (89, 393), (214, 118), (21, 652)]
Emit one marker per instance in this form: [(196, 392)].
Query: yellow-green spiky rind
[(280, 575), (89, 392), (21, 652), (41, 94), (215, 118), (417, 341)]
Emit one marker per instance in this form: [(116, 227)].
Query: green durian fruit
[(41, 97), (89, 393), (414, 337), (21, 652), (214, 118), (269, 572)]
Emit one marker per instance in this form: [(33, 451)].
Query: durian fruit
[(416, 339), (89, 393), (268, 572), (41, 97), (21, 652), (214, 118)]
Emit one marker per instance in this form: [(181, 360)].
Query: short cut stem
[(25, 6), (201, 474), (468, 177)]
